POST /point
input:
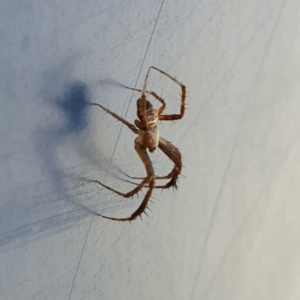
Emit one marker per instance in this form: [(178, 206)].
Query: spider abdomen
[(148, 138)]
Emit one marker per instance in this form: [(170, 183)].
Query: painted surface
[(231, 231)]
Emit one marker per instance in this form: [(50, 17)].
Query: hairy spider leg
[(141, 150), (161, 100), (144, 124), (149, 179), (183, 96), (174, 154), (129, 125)]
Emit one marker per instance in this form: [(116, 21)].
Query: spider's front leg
[(141, 150), (183, 97), (160, 99), (129, 125)]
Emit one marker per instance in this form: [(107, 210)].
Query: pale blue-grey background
[(231, 231)]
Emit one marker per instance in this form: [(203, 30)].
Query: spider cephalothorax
[(148, 138), (151, 115)]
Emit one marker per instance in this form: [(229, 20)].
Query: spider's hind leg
[(148, 179), (174, 154)]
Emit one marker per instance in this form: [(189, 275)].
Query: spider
[(148, 138)]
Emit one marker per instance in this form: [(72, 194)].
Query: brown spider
[(148, 138)]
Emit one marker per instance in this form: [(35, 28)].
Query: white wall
[(232, 229)]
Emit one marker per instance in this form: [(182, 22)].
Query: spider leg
[(129, 125), (160, 99), (183, 96), (174, 154), (143, 124), (129, 194), (148, 179)]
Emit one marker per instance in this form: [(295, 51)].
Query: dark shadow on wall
[(74, 105), (56, 209), (53, 210)]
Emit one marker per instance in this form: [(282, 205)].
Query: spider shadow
[(112, 82), (62, 130), (32, 220), (73, 102), (74, 105), (71, 132)]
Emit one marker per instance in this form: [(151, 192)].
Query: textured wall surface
[(231, 231)]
